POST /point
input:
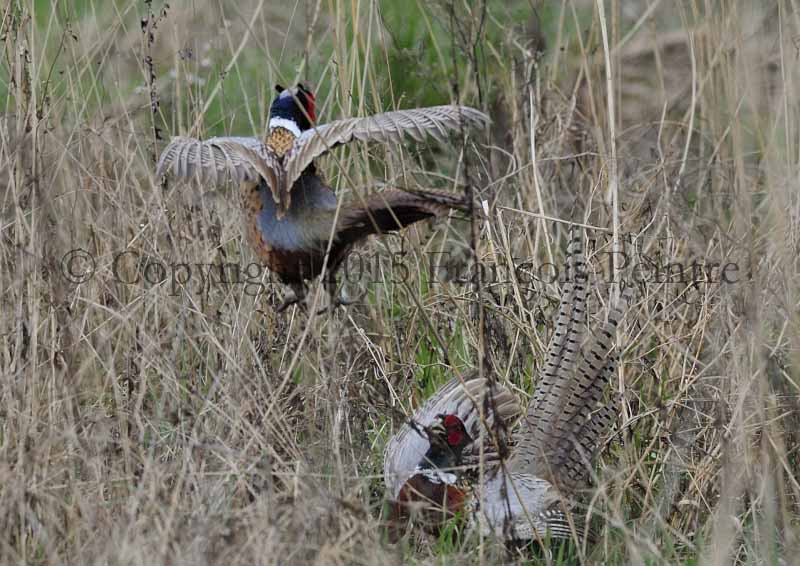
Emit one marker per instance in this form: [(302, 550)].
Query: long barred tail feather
[(577, 428), (591, 419), (566, 419), (392, 210), (555, 387)]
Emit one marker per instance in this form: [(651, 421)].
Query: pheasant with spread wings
[(427, 467), (290, 213)]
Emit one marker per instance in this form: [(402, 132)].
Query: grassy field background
[(184, 422)]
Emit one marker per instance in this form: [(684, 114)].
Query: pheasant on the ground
[(432, 488), (425, 460), (291, 215), (552, 450)]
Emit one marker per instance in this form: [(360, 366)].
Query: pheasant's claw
[(292, 298), (296, 295), (340, 301), (343, 301), (332, 306), (287, 302)]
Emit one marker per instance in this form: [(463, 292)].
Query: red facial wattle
[(454, 437), (310, 107), (308, 101)]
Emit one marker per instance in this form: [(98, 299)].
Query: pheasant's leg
[(334, 299), (296, 295)]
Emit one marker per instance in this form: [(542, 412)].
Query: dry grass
[(167, 423)]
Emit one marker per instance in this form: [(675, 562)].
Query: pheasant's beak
[(435, 431)]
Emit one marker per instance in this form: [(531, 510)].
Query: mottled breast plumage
[(280, 140)]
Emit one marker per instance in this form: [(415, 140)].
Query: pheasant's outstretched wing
[(219, 160), (564, 420), (418, 123), (408, 446)]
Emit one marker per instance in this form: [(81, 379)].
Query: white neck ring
[(286, 124)]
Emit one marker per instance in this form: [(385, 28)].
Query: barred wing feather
[(418, 123), (219, 160)]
